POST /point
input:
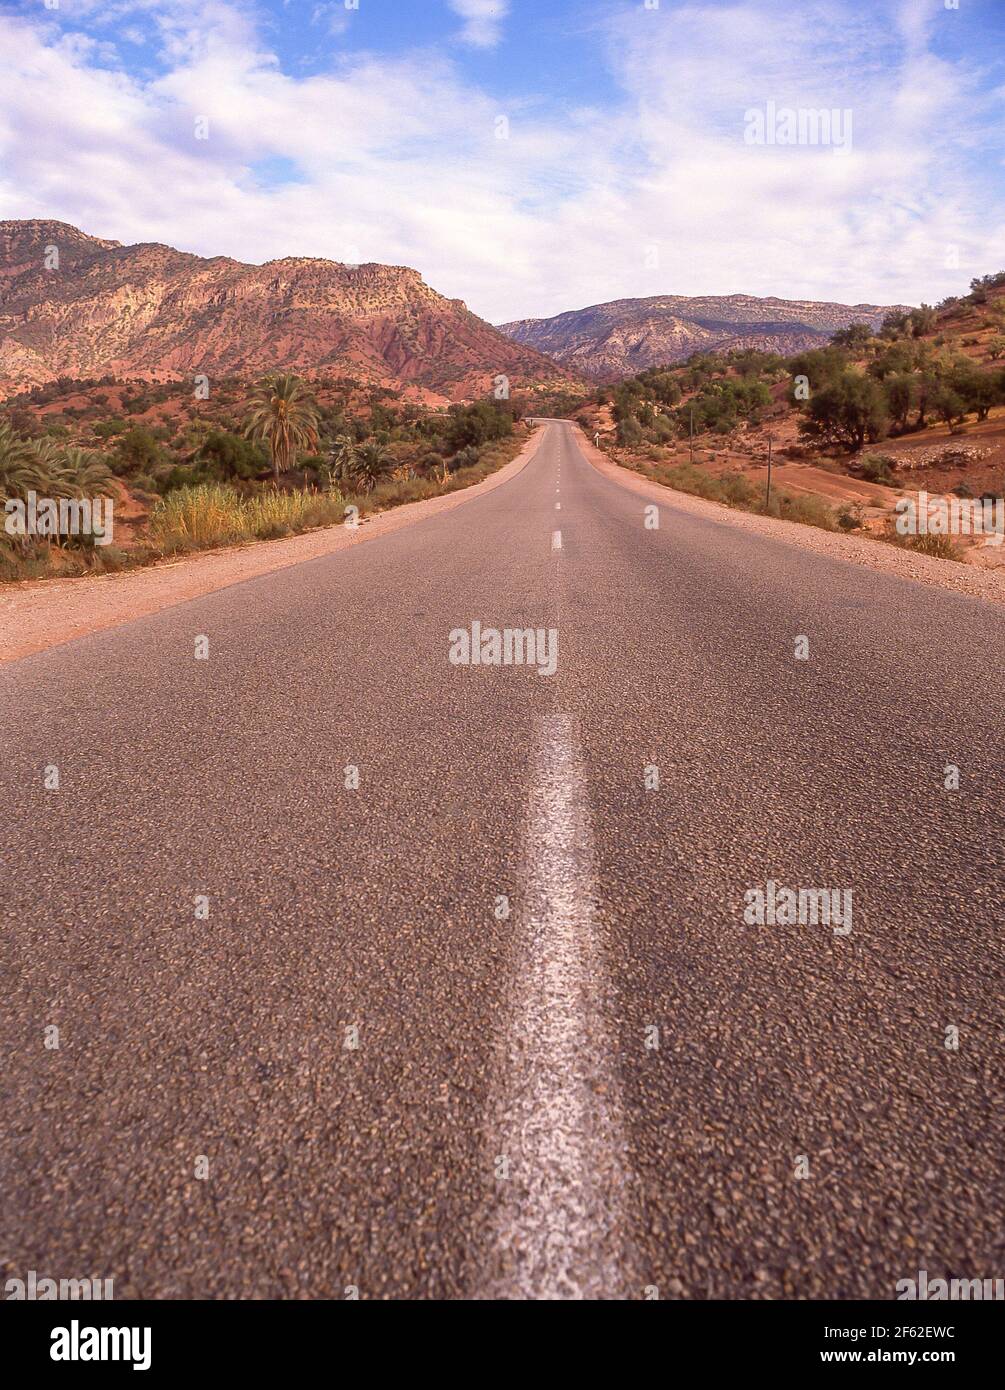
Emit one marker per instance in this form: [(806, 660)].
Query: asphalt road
[(360, 1073)]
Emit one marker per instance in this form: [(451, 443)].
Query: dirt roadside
[(878, 555), (43, 613)]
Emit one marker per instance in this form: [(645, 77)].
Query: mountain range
[(619, 339), (78, 306), (73, 305)]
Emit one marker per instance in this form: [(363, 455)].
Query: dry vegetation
[(187, 473), (854, 425)]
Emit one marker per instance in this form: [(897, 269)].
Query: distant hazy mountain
[(150, 311), (615, 340)]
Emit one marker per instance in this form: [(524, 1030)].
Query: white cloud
[(398, 159), (332, 16), (482, 20)]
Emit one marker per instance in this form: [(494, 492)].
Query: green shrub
[(465, 458), (630, 432), (477, 424), (225, 457), (104, 429), (877, 468), (693, 480), (939, 547), (137, 451), (849, 517), (804, 508), (739, 491)]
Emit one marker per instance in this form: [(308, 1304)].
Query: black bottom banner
[(166, 1340)]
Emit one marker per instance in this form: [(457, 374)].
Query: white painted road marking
[(558, 506), (556, 540), (559, 1228)]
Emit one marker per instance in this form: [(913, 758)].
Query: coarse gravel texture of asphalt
[(329, 1040)]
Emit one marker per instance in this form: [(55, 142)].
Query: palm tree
[(283, 415), (81, 474), (23, 469), (343, 460), (372, 464), (22, 466)]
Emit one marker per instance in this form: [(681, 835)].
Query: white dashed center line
[(556, 540), (557, 1147)]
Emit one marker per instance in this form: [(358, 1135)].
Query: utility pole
[(767, 499)]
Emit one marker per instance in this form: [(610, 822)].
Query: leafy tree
[(980, 285), (629, 432), (847, 412), (23, 422), (477, 424), (285, 418), (988, 282), (927, 388), (663, 386), (899, 357), (720, 405), (949, 406), (978, 390), (855, 337), (894, 324), (223, 457), (137, 450), (754, 362), (819, 365), (922, 320), (901, 396)]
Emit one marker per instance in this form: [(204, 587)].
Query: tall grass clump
[(805, 508), (938, 547), (734, 490), (210, 514)]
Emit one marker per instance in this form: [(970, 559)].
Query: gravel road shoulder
[(877, 555)]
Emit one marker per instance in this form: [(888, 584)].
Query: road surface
[(492, 1023)]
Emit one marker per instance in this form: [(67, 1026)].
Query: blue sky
[(541, 52), (527, 156)]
